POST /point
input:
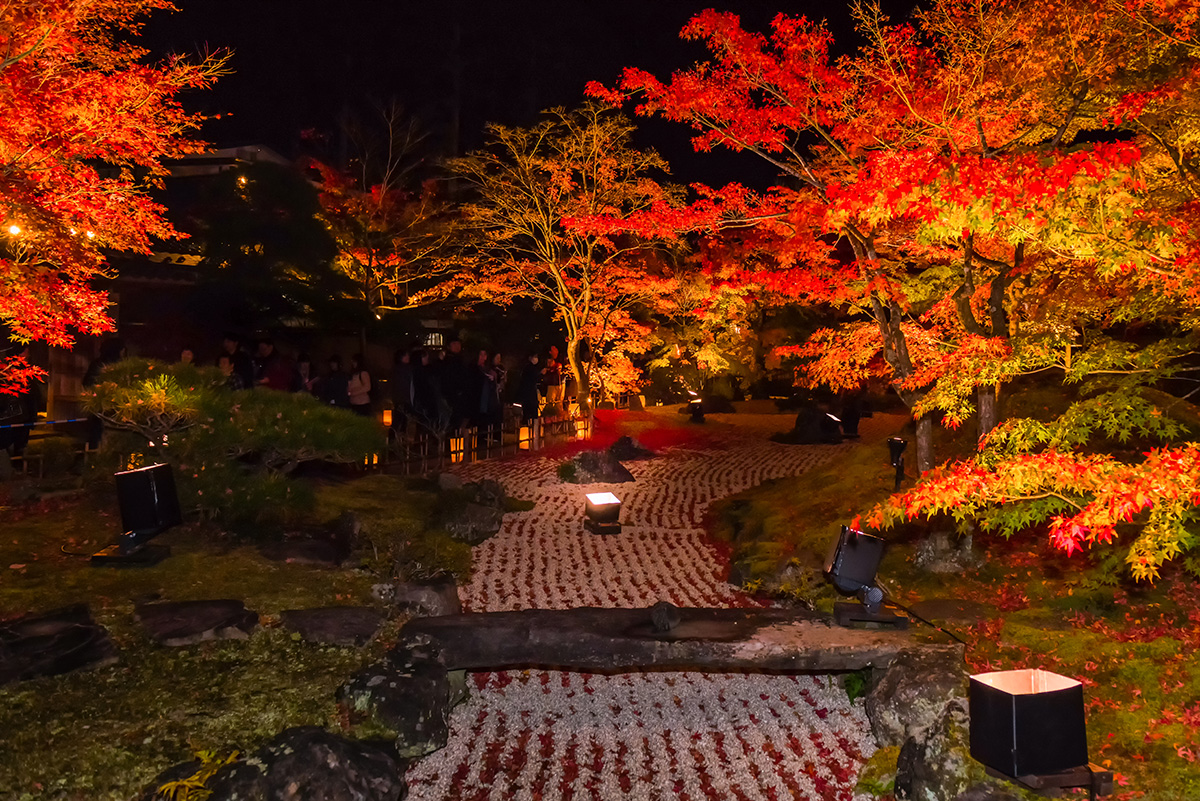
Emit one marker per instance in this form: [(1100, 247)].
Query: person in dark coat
[(272, 370), (456, 381), (334, 387), (497, 415), (527, 389), (242, 364), (427, 397), (402, 391), (304, 377), (233, 379)]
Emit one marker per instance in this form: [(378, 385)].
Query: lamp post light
[(896, 446), (696, 407)]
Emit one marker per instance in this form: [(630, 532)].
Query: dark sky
[(298, 64)]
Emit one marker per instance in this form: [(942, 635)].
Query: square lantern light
[(602, 513), (149, 506), (387, 417), (1028, 723)]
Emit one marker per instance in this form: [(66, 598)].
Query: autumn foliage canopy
[(983, 192), (85, 125)]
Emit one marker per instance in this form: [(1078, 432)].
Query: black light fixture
[(1028, 726), (149, 506), (696, 407), (896, 446), (851, 566), (851, 413), (602, 513)]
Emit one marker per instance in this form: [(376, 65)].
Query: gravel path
[(548, 735)]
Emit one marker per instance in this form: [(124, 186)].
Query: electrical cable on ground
[(892, 600)]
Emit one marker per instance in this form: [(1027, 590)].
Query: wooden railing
[(419, 451)]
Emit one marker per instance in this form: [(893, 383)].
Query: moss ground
[(104, 733)]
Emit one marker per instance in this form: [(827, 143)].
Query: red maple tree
[(85, 125), (536, 190), (1013, 179), (394, 236)]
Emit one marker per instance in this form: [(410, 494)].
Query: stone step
[(615, 640)]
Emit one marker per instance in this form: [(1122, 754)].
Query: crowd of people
[(436, 389), (444, 390)]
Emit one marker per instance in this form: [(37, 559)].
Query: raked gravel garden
[(550, 735)]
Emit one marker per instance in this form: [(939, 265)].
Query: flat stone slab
[(177, 623), (615, 640), (319, 553), (431, 598), (51, 643), (335, 625), (954, 610)]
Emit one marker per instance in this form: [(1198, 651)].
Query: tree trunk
[(924, 444), (583, 389), (988, 409)]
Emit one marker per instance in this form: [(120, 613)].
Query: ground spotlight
[(851, 566)]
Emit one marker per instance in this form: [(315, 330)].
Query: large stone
[(598, 467), (187, 622), (432, 598), (628, 449), (813, 427), (487, 492), (937, 765), (51, 643), (714, 640), (409, 692), (912, 695), (472, 523), (335, 625), (305, 763)]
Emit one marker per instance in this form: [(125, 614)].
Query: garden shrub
[(431, 553), (396, 514), (232, 451), (57, 454)]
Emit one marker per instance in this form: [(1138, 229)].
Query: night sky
[(299, 64)]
